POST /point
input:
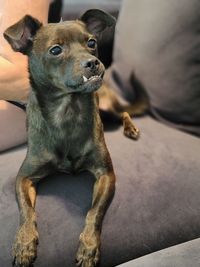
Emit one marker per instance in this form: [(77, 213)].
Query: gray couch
[(155, 210), (184, 255), (156, 203)]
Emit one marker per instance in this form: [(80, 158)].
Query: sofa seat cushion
[(184, 255), (156, 204)]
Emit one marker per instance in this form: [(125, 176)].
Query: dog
[(65, 132)]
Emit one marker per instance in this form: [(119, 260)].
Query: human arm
[(14, 82)]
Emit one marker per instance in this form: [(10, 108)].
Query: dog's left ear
[(97, 21), (102, 25)]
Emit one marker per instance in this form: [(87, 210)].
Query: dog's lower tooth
[(93, 77), (85, 79)]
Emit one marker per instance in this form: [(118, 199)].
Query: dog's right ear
[(20, 35)]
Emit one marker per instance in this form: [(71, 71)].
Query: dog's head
[(62, 55)]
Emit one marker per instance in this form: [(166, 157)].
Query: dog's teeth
[(93, 77), (84, 79)]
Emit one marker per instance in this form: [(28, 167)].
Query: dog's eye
[(92, 43), (55, 50)]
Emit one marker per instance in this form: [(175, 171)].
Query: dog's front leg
[(88, 254), (24, 248), (25, 245)]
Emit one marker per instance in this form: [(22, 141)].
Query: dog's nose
[(91, 64)]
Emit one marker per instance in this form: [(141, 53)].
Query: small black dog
[(65, 132)]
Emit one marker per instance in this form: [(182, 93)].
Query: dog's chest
[(68, 112), (72, 149), (73, 134)]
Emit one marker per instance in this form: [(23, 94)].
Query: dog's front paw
[(88, 254), (25, 246)]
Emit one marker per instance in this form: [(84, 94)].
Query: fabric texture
[(13, 126), (159, 42), (183, 255), (156, 204)]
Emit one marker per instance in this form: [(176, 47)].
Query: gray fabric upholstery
[(183, 255), (12, 126), (71, 7), (159, 41), (156, 203)]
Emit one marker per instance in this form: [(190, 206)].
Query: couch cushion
[(183, 255), (13, 126), (159, 41), (156, 203)]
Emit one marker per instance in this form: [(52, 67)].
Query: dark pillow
[(159, 41)]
